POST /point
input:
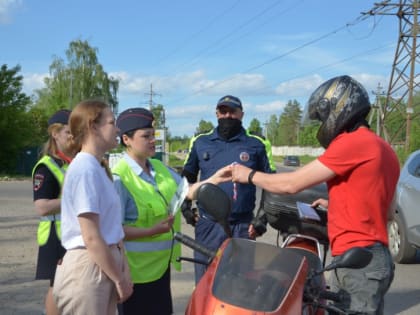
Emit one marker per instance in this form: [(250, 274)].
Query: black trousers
[(153, 298)]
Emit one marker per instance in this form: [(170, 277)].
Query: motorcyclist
[(361, 171)]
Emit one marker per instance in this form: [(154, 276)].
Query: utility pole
[(151, 94), (161, 133), (377, 111), (404, 78)]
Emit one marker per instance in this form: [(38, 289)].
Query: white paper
[(178, 197), (306, 211)]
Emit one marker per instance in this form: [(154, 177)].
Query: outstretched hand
[(240, 173), (222, 175)]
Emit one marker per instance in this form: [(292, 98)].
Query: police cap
[(230, 101), (60, 117), (133, 119)]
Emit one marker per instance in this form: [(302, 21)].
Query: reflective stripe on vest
[(45, 221), (268, 150), (53, 217), (148, 257), (145, 247)]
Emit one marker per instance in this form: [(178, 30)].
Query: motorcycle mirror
[(356, 257), (216, 203)]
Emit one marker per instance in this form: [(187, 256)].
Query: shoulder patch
[(38, 181)]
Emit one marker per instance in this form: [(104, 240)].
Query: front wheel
[(402, 252)]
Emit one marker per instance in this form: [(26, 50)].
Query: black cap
[(230, 101), (60, 117), (133, 119)]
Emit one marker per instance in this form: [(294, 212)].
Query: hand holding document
[(178, 197)]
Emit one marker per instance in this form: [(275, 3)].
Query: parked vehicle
[(291, 160), (404, 229), (249, 277)]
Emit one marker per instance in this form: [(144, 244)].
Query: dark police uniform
[(46, 186), (208, 153)]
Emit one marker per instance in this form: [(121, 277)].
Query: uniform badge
[(244, 156), (38, 181)]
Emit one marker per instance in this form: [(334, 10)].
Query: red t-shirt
[(367, 171)]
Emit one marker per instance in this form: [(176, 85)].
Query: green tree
[(255, 127), (415, 124), (203, 126), (159, 115), (289, 123), (307, 134), (272, 130), (78, 78), (15, 122)]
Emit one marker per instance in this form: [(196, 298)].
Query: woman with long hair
[(94, 275), (48, 177)]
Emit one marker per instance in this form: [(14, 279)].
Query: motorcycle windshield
[(255, 275)]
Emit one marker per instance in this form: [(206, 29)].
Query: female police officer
[(48, 176)]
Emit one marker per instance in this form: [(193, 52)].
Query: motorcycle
[(248, 277)]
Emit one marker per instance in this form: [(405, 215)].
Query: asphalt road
[(20, 294)]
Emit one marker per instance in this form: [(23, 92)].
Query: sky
[(193, 52)]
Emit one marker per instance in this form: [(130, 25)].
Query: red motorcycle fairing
[(248, 277)]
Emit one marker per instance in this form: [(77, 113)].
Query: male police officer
[(228, 143)]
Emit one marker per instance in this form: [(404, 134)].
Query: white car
[(404, 229)]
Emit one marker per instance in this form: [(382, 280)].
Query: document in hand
[(178, 197), (307, 212)]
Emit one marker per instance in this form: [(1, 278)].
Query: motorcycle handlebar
[(331, 296), (191, 243)]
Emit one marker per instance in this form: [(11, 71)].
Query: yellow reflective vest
[(44, 225), (268, 149), (149, 257)]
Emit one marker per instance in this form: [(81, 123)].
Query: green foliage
[(38, 134), (401, 154), (415, 124), (415, 135), (203, 127), (81, 77), (307, 135), (159, 115), (392, 124), (289, 124), (175, 162), (255, 127), (272, 130), (15, 122), (179, 144)]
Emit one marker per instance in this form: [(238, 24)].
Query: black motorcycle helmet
[(341, 104)]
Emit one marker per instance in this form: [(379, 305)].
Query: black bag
[(282, 213)]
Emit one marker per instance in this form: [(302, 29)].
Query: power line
[(225, 37), (295, 4), (329, 65), (271, 60), (200, 31)]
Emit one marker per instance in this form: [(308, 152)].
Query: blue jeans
[(364, 289)]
